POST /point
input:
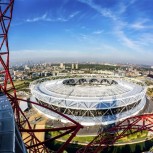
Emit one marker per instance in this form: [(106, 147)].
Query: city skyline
[(82, 30)]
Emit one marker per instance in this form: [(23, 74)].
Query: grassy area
[(134, 137), (150, 92), (129, 148), (80, 139), (86, 139), (148, 83), (20, 85)]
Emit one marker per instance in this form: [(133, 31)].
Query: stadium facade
[(90, 101)]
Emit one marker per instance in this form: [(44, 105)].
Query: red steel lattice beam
[(7, 86), (122, 129), (104, 139)]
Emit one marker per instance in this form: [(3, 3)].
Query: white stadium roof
[(98, 95)]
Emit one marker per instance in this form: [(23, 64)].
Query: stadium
[(90, 101)]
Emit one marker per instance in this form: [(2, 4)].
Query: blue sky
[(82, 30)]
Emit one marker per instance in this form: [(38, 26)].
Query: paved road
[(37, 121)]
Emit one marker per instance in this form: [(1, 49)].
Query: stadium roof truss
[(132, 95)]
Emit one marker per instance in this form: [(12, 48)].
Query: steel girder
[(103, 140), (124, 110), (31, 141), (125, 128)]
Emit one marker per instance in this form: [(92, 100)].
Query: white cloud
[(146, 39), (74, 14), (141, 24), (83, 37), (98, 32), (119, 26), (122, 7), (103, 53), (138, 25), (46, 18), (40, 18), (103, 11), (127, 42), (120, 33)]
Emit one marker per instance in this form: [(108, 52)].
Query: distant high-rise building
[(76, 66), (61, 65), (27, 67), (72, 66)]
